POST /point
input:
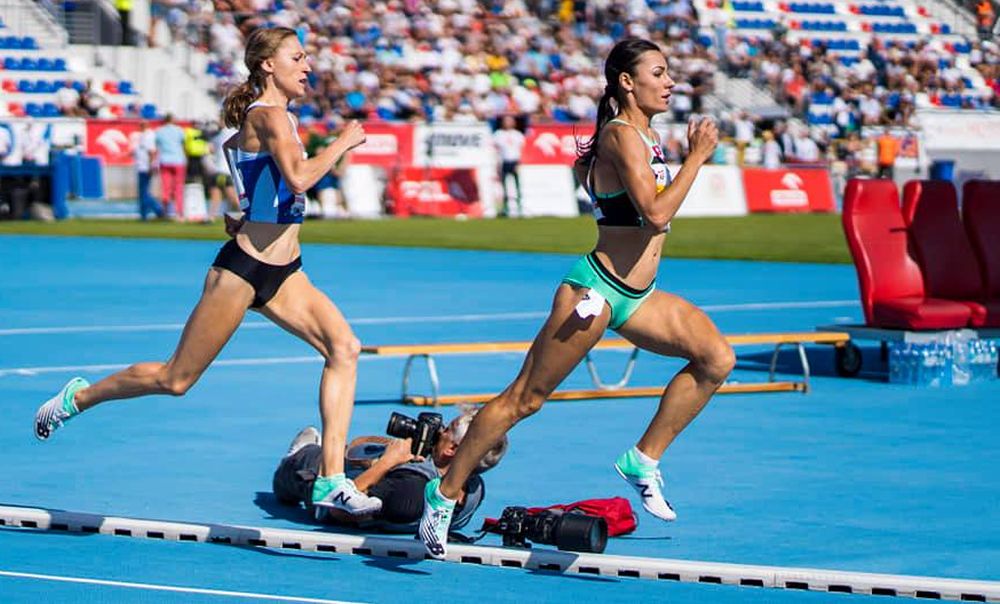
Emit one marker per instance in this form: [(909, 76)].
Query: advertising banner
[(554, 144), (788, 190), (453, 145), (961, 130), (717, 191), (30, 140), (386, 145), (113, 140), (434, 192)]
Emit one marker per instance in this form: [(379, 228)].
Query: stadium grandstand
[(816, 77)]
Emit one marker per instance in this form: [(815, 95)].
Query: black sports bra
[(617, 209)]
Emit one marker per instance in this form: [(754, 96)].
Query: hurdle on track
[(567, 563), (619, 389)]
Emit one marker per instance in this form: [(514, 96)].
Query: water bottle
[(977, 361), (994, 356), (962, 366), (906, 365), (895, 363), (929, 367), (948, 365)]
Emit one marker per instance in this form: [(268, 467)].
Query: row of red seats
[(922, 265)]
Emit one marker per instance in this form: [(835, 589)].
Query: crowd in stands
[(459, 59), (474, 60)]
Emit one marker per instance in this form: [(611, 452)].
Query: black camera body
[(570, 531), (425, 431)]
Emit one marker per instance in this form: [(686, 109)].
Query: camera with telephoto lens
[(568, 531), (425, 431)]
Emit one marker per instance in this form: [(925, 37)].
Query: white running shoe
[(436, 521), (59, 409), (307, 436), (648, 483), (346, 497)]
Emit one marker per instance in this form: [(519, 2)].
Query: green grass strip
[(774, 237)]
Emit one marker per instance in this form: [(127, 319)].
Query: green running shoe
[(58, 409), (436, 521), (647, 482)]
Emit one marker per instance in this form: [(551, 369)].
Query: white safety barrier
[(546, 191), (716, 191), (690, 571), (362, 188)]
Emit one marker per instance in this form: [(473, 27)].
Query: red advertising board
[(112, 140), (792, 190), (554, 143), (434, 192), (386, 144)]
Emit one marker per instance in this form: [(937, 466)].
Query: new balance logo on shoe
[(644, 491), (341, 498)]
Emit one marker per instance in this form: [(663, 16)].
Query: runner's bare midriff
[(276, 244), (631, 253)]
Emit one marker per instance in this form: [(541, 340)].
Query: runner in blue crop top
[(613, 286), (264, 195), (259, 268)]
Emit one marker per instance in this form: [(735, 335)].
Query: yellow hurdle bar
[(618, 389), (835, 338), (584, 395)]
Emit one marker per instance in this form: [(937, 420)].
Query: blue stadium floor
[(858, 475)]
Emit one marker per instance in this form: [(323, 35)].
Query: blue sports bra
[(617, 209), (264, 195)]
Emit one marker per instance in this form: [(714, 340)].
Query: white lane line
[(748, 306), (464, 318), (469, 318), (30, 371), (172, 588)]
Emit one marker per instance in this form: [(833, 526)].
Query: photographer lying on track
[(395, 470)]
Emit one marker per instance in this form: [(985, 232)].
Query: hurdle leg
[(431, 372), (595, 377), (805, 367)]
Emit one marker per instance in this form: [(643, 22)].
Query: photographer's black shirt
[(401, 491)]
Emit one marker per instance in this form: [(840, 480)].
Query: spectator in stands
[(68, 101), (888, 150), (509, 142), (197, 153), (92, 102), (771, 151), (806, 149), (144, 154), (173, 165), (124, 8), (985, 16), (328, 191), (743, 135), (220, 180)]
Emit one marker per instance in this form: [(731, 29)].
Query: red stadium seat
[(15, 109), (981, 215), (9, 86), (892, 289), (950, 268)]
